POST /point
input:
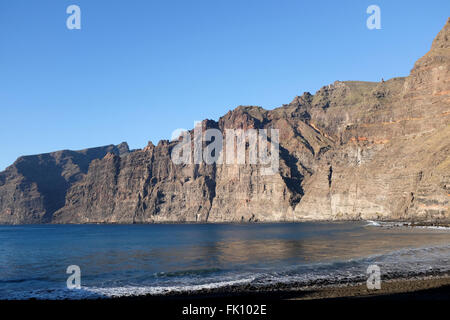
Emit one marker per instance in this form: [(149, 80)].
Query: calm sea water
[(120, 260)]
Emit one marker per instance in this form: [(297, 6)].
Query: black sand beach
[(403, 297)]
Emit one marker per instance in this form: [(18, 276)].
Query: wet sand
[(416, 289), (436, 287), (405, 297)]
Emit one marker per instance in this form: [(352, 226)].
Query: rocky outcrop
[(392, 160), (34, 187), (353, 150)]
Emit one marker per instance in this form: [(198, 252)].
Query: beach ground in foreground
[(418, 288), (403, 297)]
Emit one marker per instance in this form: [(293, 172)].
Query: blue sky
[(137, 70)]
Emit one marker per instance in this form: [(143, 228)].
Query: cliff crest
[(353, 150)]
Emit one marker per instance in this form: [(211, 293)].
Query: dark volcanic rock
[(354, 150), (34, 187)]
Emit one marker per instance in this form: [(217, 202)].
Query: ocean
[(124, 260)]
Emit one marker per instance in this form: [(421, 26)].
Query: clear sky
[(137, 70)]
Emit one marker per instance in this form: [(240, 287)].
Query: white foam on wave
[(404, 262), (400, 263), (408, 262), (373, 223), (161, 290), (86, 292), (393, 224), (433, 227)]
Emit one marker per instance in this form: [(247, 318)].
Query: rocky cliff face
[(34, 187), (354, 150)]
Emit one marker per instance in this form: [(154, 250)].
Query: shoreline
[(397, 281), (380, 223), (431, 286), (402, 296), (421, 288), (415, 287)]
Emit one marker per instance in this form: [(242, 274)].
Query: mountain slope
[(353, 150), (34, 187)]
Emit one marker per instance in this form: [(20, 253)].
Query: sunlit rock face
[(354, 150), (392, 156), (34, 187)]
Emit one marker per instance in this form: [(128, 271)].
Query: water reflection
[(135, 254), (243, 247)]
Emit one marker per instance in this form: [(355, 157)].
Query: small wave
[(433, 227), (162, 290), (408, 262), (198, 272), (392, 224), (86, 292), (373, 223), (397, 264)]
